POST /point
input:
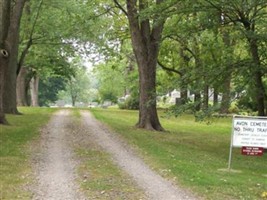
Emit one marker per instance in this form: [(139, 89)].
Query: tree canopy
[(202, 48)]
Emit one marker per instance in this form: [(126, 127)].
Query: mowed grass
[(14, 153), (195, 155)]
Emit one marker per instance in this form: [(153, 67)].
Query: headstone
[(93, 104), (106, 104), (174, 94)]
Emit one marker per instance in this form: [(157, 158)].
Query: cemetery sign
[(249, 133), (252, 151)]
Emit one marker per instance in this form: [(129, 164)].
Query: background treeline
[(217, 46)]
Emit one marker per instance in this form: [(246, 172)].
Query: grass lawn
[(14, 155), (194, 154)]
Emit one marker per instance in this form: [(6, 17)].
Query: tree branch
[(157, 25), (120, 7), (36, 18), (169, 69), (30, 41), (55, 43), (181, 41)]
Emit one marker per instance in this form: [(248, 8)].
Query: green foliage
[(78, 86), (246, 103), (111, 79), (106, 95), (208, 115), (166, 81), (178, 110), (54, 31), (49, 88), (201, 47), (204, 47), (131, 103)]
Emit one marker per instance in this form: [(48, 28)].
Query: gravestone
[(174, 95)]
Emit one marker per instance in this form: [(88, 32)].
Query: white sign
[(249, 132)]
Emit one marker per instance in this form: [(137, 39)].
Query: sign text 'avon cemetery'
[(249, 132)]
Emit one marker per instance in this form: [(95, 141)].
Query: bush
[(131, 103)]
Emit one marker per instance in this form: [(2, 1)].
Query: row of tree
[(219, 45), (38, 40), (10, 15), (194, 45)]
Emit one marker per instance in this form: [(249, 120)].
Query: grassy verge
[(193, 154), (99, 177), (14, 155)]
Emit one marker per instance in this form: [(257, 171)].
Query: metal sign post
[(231, 146)]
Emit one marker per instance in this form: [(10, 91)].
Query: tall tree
[(48, 33), (226, 95), (146, 36), (77, 85), (108, 87), (22, 86), (9, 97), (5, 6), (34, 86), (250, 18), (49, 88)]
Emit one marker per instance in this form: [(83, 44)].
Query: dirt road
[(55, 166)]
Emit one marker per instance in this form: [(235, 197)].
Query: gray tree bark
[(21, 89), (5, 6), (34, 91), (145, 42), (226, 98), (9, 97)]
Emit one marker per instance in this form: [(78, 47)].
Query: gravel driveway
[(156, 187), (55, 164)]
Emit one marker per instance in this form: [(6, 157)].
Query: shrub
[(131, 103)]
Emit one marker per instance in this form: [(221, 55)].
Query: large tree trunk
[(148, 117), (3, 61), (5, 6), (10, 101), (9, 98), (256, 70), (197, 101), (259, 87), (73, 100), (73, 93), (206, 98), (226, 98), (22, 87), (184, 93), (145, 42), (215, 97), (34, 91), (184, 82), (198, 76)]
